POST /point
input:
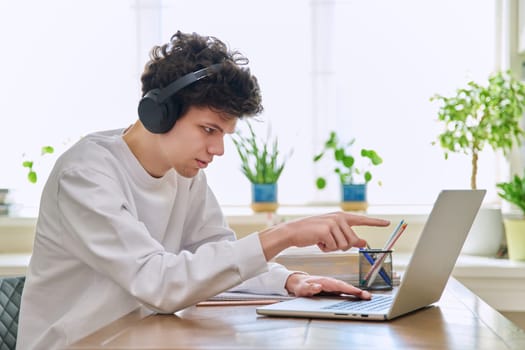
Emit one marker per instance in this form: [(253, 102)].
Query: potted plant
[(354, 172), (513, 192), (5, 204), (262, 165), (475, 117), (29, 164)]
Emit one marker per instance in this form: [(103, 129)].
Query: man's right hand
[(332, 231)]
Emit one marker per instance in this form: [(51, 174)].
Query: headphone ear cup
[(173, 109), (153, 114)]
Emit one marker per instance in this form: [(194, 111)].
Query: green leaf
[(339, 154), (348, 161), (320, 183), (319, 156), (31, 176), (47, 150)]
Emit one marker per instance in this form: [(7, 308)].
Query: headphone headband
[(186, 80)]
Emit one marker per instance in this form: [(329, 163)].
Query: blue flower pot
[(353, 197), (264, 197)]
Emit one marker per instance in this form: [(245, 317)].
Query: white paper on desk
[(248, 296)]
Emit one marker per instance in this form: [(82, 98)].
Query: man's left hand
[(303, 285)]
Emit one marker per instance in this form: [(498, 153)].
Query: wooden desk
[(460, 320)]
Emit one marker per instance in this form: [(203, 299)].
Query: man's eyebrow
[(215, 126)]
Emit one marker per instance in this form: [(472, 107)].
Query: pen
[(382, 271)]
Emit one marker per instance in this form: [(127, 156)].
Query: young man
[(127, 220)]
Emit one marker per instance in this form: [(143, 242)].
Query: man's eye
[(208, 130)]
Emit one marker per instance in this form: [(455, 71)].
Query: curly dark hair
[(232, 90)]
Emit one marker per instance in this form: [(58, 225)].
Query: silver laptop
[(426, 275)]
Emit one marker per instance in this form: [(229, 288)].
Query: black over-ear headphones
[(158, 111)]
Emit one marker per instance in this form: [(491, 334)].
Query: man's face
[(195, 139)]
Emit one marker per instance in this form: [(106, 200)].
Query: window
[(365, 68), (67, 68)]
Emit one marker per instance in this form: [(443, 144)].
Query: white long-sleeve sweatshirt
[(110, 238)]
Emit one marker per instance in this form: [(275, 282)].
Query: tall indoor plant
[(475, 117), (482, 115), (353, 170), (262, 164)]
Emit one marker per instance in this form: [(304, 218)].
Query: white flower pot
[(486, 235)]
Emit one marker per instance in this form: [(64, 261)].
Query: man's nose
[(217, 147)]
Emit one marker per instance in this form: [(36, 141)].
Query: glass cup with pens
[(375, 265)]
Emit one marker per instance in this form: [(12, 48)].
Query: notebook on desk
[(425, 277)]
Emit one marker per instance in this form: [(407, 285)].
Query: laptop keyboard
[(378, 302)]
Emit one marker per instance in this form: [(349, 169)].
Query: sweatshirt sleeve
[(208, 223), (271, 282), (102, 232)]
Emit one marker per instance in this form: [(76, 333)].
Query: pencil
[(394, 233), (236, 302)]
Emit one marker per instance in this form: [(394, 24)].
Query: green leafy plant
[(478, 115), (513, 192), (349, 169), (29, 164), (260, 159)]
